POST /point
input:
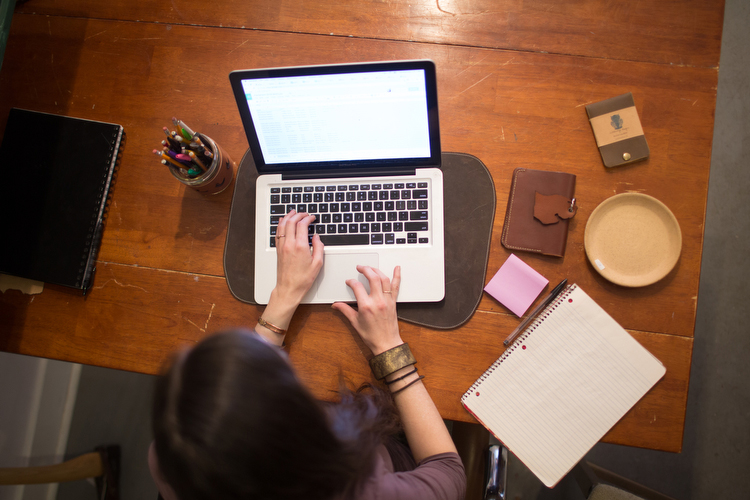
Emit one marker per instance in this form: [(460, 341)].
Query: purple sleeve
[(439, 477)]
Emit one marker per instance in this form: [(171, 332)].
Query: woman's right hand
[(375, 318)]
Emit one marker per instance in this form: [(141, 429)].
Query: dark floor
[(113, 406)]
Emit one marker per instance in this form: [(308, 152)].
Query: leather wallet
[(617, 130), (552, 193)]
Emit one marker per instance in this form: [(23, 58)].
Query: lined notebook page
[(562, 385)]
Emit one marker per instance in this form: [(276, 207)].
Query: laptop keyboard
[(358, 214)]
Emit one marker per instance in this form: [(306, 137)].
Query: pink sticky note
[(516, 285)]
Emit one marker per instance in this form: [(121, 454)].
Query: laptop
[(358, 146)]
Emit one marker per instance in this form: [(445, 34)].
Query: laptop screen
[(343, 116)]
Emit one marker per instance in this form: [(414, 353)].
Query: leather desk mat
[(469, 200)]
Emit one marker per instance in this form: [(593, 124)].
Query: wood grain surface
[(513, 81)]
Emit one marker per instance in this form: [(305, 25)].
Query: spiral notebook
[(57, 173), (567, 379)]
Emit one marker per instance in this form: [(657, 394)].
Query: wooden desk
[(513, 80)]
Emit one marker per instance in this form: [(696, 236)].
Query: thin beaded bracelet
[(271, 326), (401, 377), (408, 385)]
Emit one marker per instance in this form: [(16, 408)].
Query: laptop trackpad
[(337, 268)]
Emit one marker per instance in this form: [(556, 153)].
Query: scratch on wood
[(121, 284), (472, 86), (210, 313), (437, 2), (237, 47), (474, 64), (117, 39), (198, 327), (96, 34)]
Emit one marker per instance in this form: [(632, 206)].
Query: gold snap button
[(626, 156)]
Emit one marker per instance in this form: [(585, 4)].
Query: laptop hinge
[(347, 173)]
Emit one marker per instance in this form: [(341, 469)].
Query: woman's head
[(231, 420)]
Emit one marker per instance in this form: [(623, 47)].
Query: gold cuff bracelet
[(391, 361)]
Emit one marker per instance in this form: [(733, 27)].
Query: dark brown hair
[(231, 420)]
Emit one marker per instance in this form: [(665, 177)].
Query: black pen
[(536, 311)]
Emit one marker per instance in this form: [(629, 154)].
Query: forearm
[(278, 313), (424, 428)]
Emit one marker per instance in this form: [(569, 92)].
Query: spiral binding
[(96, 227), (529, 330)]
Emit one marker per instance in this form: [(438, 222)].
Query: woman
[(232, 421)]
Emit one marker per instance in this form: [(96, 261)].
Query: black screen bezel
[(348, 166)]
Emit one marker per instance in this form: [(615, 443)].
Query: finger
[(302, 224), (396, 281), (292, 229), (282, 226), (360, 292), (372, 277), (384, 281), (347, 311), (318, 251)]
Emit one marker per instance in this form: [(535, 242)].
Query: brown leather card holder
[(540, 205)]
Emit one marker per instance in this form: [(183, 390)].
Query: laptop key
[(416, 226), (418, 215), (419, 193), (376, 239), (345, 239), (278, 210), (390, 238)]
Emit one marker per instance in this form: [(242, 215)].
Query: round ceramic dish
[(633, 239)]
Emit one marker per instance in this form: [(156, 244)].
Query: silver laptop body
[(358, 146)]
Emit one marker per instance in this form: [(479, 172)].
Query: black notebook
[(57, 173)]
